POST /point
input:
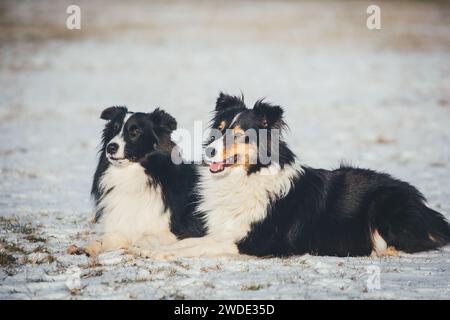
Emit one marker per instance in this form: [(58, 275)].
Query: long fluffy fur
[(299, 209), (148, 200)]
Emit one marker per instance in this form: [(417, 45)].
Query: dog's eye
[(134, 132), (211, 139)]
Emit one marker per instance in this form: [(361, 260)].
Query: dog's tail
[(427, 230), (438, 227), (405, 221)]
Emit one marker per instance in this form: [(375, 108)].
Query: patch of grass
[(75, 292), (95, 273), (174, 296), (158, 270), (13, 225), (92, 263), (216, 267), (35, 238), (172, 272), (40, 249), (49, 259), (304, 262), (182, 264), (123, 281), (252, 287), (11, 247), (179, 296), (36, 260), (6, 259)]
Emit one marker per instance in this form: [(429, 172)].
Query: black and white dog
[(282, 208), (142, 198)]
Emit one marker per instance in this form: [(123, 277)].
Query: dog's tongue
[(216, 166)]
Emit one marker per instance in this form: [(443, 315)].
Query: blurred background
[(374, 98)]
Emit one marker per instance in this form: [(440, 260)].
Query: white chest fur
[(133, 207), (233, 201)]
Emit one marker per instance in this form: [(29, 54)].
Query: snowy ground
[(378, 99)]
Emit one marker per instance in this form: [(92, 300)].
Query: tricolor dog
[(283, 208)]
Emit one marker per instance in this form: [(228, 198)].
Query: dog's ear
[(111, 112), (270, 116), (225, 101), (163, 120)]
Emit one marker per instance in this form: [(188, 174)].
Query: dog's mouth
[(122, 160), (116, 159), (216, 167)]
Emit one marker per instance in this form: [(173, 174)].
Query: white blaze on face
[(119, 157), (218, 146), (236, 117), (216, 161)]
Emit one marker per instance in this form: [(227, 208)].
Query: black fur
[(334, 212), (147, 141)]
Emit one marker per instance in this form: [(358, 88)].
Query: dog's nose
[(112, 148), (210, 152)]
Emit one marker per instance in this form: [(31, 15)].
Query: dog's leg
[(107, 242), (195, 247), (148, 243), (389, 252)]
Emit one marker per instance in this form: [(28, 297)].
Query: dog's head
[(128, 136), (243, 137)]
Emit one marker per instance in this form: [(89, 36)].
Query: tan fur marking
[(432, 238), (244, 151), (389, 252), (237, 129)]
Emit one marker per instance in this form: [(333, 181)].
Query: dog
[(142, 199), (282, 208)]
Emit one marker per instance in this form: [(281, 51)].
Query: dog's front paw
[(149, 253), (155, 255), (139, 252), (162, 255), (89, 251), (75, 250)]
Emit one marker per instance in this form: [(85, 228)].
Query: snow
[(378, 99)]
